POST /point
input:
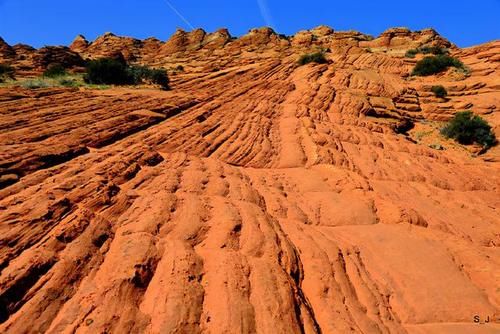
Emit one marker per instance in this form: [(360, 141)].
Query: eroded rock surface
[(255, 196)]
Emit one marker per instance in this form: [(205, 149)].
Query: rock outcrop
[(109, 44), (403, 39), (45, 56), (256, 196), (6, 51), (198, 39), (79, 44), (23, 50), (219, 49), (217, 40), (182, 41), (261, 38)]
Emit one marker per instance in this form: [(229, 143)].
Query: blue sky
[(55, 22)]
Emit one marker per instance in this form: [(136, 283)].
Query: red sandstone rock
[(255, 196), (6, 51), (79, 44), (109, 44), (217, 40), (56, 55), (403, 38), (183, 41)]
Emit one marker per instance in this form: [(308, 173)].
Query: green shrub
[(107, 71), (160, 77), (54, 71), (411, 53), (439, 91), (115, 72), (403, 126), (467, 128), (152, 75), (436, 64), (6, 71), (435, 50), (35, 83), (317, 57), (68, 82), (136, 73)]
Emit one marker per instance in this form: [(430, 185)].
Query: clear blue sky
[(54, 22)]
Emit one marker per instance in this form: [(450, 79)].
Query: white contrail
[(266, 14), (179, 14)]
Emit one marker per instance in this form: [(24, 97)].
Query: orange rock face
[(256, 196), (6, 51), (80, 44)]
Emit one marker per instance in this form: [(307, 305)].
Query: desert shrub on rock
[(439, 91), (317, 57), (467, 128), (151, 75), (403, 126), (35, 84), (435, 50), (107, 71), (436, 64), (411, 53), (136, 73), (6, 71), (54, 70), (160, 77), (66, 82)]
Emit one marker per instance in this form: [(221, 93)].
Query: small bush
[(152, 75), (436, 64), (35, 84), (107, 71), (136, 73), (179, 68), (403, 126), (467, 128), (439, 91), (411, 53), (6, 71), (65, 82), (435, 50), (160, 77), (317, 57), (54, 71)]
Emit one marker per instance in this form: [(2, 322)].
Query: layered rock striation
[(257, 196)]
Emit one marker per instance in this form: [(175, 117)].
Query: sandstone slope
[(255, 196)]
